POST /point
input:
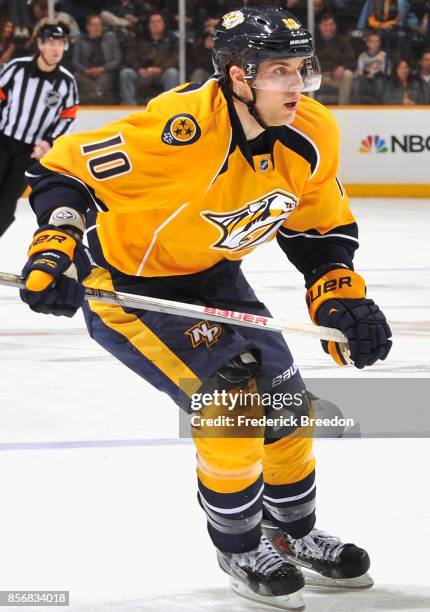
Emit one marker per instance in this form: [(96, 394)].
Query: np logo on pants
[(204, 332)]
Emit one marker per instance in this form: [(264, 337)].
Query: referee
[(38, 103)]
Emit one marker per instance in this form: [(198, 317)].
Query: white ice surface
[(118, 524)]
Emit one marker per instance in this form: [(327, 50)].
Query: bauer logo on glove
[(326, 287), (337, 299), (48, 237), (57, 264)]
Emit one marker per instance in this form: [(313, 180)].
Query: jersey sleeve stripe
[(309, 235)]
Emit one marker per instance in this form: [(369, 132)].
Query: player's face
[(279, 84), (52, 51)]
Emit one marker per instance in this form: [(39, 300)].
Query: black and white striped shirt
[(36, 105)]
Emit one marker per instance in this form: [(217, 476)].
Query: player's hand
[(56, 266), (338, 299)]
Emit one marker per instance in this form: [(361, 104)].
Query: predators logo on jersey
[(254, 223), (181, 130)]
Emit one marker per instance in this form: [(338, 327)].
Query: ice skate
[(264, 576), (323, 559)]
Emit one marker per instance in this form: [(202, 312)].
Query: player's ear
[(236, 74), (237, 79)]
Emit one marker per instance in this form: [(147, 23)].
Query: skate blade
[(313, 579), (294, 601)]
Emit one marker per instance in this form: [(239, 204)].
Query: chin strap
[(250, 104)]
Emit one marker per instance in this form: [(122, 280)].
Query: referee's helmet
[(52, 31)]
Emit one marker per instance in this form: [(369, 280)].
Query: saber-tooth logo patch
[(204, 332), (254, 223)]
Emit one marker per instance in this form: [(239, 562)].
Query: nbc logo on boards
[(373, 143)]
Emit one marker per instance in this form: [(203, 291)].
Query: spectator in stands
[(152, 63), (372, 68), (347, 15), (120, 13), (337, 60), (79, 10), (386, 14), (41, 14), (17, 11), (201, 58), (7, 46), (424, 19), (402, 88), (300, 8), (210, 24), (96, 57), (390, 18), (424, 75), (200, 15)]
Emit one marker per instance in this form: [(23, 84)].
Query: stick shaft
[(196, 311)]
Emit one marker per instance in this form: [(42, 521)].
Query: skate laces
[(264, 559), (319, 545)]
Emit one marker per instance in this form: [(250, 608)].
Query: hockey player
[(171, 199)]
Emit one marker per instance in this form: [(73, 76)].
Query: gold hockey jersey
[(175, 189)]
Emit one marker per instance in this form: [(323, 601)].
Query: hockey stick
[(198, 312)]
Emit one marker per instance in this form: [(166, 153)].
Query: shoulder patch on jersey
[(181, 130)]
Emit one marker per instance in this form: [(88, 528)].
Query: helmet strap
[(250, 104)]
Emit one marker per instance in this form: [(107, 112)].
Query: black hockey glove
[(337, 299), (57, 264)]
